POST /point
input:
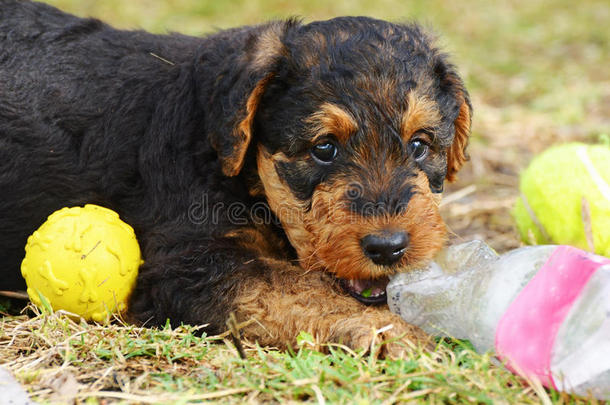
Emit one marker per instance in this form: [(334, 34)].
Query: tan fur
[(232, 165), (291, 300), (332, 119), (286, 207), (336, 232), (456, 155), (421, 113), (327, 236), (258, 239), (268, 46)]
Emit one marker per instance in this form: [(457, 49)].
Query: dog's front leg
[(274, 299), (288, 300)]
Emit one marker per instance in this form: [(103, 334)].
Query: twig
[(394, 396), (233, 328), (534, 219), (458, 195), (20, 295), (153, 399), (228, 332), (162, 59), (318, 393)]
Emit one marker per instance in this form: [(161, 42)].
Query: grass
[(537, 71), (547, 56), (63, 360)]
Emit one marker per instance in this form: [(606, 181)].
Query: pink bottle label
[(526, 332)]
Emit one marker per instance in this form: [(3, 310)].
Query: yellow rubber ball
[(83, 260)]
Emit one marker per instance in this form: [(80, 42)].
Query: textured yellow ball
[(83, 260)]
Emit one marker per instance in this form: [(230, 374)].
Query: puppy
[(280, 172)]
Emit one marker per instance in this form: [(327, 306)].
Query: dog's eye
[(324, 152), (418, 149)]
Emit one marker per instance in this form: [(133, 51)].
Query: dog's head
[(356, 124)]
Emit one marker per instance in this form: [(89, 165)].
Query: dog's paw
[(382, 333)]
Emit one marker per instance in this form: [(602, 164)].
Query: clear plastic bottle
[(545, 310)]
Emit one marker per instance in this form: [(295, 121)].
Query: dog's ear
[(238, 71), (456, 154), (233, 144)]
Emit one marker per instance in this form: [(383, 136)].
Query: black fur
[(141, 124)]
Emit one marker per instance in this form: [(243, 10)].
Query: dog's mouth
[(367, 291)]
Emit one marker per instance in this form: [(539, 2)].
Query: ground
[(538, 75)]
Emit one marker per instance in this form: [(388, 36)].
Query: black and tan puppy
[(280, 171)]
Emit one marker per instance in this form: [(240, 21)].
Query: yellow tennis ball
[(83, 260), (565, 198)]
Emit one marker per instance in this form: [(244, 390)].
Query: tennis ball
[(565, 198), (83, 260)]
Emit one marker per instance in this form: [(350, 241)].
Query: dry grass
[(61, 360)]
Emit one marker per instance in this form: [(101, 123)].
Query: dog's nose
[(385, 248)]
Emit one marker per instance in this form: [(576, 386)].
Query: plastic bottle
[(545, 310)]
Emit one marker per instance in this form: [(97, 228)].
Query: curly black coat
[(162, 130)]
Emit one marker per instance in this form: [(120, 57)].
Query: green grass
[(538, 74), (61, 360)]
